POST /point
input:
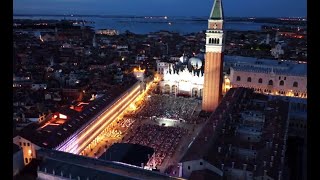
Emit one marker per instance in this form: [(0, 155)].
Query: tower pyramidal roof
[(217, 10)]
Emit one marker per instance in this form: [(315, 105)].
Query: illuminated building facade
[(139, 73), (184, 82), (213, 59), (110, 32), (283, 78)]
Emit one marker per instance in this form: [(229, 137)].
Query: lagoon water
[(144, 25)]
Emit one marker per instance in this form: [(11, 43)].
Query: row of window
[(281, 83), (279, 92), (24, 144), (214, 40)]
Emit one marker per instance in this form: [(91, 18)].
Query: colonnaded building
[(283, 78)]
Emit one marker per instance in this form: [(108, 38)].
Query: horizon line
[(84, 15)]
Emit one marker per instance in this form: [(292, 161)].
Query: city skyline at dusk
[(245, 8), (159, 89)]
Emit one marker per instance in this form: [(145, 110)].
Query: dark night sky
[(243, 8)]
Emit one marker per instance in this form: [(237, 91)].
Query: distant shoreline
[(170, 17), (146, 24)]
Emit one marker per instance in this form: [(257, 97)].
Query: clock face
[(215, 26)]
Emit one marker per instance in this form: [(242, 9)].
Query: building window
[(270, 83), (28, 144), (249, 79), (24, 144), (285, 78), (295, 84), (20, 144), (210, 41), (26, 160), (260, 80), (281, 83), (238, 78), (279, 77), (201, 163), (217, 41), (189, 167)]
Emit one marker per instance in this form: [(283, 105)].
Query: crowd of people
[(164, 140), (165, 106), (114, 133), (126, 122)]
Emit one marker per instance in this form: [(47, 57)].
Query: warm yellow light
[(132, 107), (120, 102), (62, 116), (29, 151)]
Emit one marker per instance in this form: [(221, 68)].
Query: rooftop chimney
[(222, 165), (255, 167), (45, 170), (219, 149), (53, 172), (232, 166)]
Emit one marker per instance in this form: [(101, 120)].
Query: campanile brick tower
[(213, 59)]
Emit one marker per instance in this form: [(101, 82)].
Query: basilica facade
[(181, 81)]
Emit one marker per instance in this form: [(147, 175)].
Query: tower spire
[(217, 10)]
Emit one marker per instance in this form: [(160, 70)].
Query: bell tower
[(212, 90)]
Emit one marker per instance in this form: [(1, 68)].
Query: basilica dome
[(196, 63)]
